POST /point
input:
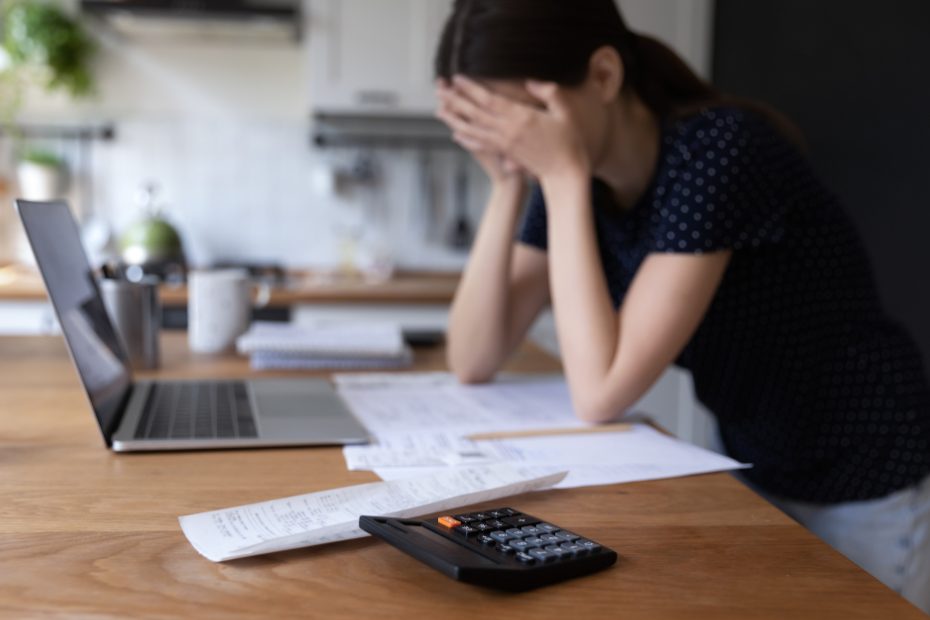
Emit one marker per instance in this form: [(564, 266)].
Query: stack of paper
[(330, 516), (324, 346), (422, 423)]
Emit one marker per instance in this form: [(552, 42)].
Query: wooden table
[(88, 533), (19, 283)]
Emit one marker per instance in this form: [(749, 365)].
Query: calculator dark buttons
[(590, 545), (541, 555), (574, 548), (554, 550), (519, 520), (525, 557), (486, 540), (466, 530)]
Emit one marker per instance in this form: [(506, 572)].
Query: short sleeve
[(719, 187), (533, 228)]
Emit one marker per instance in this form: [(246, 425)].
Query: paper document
[(421, 420), (329, 516), (391, 404), (641, 453), (421, 450), (327, 340), (339, 346)]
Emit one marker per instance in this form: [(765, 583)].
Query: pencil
[(616, 427)]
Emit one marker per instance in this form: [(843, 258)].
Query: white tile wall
[(244, 190)]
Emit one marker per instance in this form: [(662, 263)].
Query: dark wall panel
[(855, 76)]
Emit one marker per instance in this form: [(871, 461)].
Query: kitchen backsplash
[(257, 191)]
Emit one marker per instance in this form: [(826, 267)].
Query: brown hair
[(553, 40)]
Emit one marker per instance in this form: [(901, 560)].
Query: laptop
[(169, 415)]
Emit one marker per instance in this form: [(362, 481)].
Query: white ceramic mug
[(219, 309)]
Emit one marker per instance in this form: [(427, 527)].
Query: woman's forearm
[(585, 317), (479, 320)]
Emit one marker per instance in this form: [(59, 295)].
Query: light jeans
[(887, 537)]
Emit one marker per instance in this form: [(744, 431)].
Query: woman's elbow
[(470, 372), (472, 377), (597, 410)]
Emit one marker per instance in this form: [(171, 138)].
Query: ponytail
[(665, 83), (671, 89)]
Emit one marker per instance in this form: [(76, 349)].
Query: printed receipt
[(330, 516)]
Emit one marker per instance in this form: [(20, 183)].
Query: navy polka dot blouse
[(808, 378)]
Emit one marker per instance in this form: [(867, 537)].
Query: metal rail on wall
[(82, 135)]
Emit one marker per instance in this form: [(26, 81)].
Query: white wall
[(686, 25)]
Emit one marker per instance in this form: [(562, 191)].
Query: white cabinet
[(374, 56)]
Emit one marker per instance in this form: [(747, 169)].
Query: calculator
[(501, 548)]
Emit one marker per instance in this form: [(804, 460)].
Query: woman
[(670, 225)]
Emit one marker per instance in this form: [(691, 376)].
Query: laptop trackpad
[(289, 398), (308, 411)]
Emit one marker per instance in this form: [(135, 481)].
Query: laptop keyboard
[(197, 410)]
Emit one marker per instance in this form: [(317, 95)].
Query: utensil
[(135, 311), (462, 233)]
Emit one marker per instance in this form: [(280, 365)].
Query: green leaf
[(43, 158), (37, 33)]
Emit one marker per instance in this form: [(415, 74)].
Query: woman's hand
[(502, 172), (543, 140)]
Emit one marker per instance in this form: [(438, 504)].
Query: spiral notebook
[(325, 345)]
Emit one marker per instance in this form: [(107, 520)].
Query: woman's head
[(585, 46), (556, 41)]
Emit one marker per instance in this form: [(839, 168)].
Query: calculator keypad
[(523, 537)]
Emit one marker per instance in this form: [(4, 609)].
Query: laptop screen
[(97, 352)]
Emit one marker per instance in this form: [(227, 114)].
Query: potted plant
[(42, 176), (41, 42)]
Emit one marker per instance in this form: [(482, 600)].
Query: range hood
[(195, 17), (354, 130)]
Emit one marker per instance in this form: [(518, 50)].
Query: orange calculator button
[(449, 522)]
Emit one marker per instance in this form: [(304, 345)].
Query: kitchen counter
[(22, 284)]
